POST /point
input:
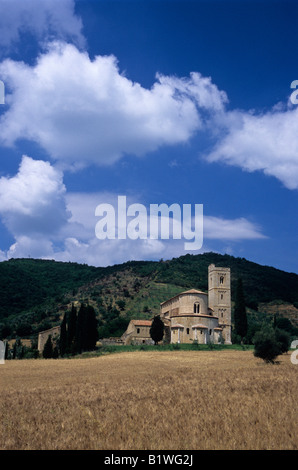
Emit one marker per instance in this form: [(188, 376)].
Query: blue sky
[(163, 101)]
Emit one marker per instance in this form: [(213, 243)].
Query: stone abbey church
[(189, 317), (193, 315)]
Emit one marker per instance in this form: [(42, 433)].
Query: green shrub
[(269, 343), (284, 339)]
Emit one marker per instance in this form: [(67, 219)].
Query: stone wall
[(43, 336), (195, 328)]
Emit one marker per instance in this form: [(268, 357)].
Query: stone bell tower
[(219, 298)]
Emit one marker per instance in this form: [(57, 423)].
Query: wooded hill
[(35, 293)]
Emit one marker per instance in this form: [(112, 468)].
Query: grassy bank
[(111, 349)]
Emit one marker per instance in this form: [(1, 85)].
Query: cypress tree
[(240, 318), (71, 328), (79, 336), (18, 350), (91, 333), (63, 337), (48, 348), (6, 350), (157, 329), (14, 350), (86, 329)]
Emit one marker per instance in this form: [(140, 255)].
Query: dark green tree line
[(240, 318), (78, 330)]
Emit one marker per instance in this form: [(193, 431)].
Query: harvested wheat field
[(178, 400)]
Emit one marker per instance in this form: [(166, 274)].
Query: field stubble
[(177, 400)]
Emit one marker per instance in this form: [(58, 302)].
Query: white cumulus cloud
[(218, 228), (265, 142), (84, 111), (32, 201), (44, 19)]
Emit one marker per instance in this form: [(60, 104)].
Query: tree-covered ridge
[(35, 293), (261, 283), (25, 283)]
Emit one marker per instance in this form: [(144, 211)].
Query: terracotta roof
[(54, 328), (190, 291), (198, 325), (193, 291), (177, 325), (141, 322)]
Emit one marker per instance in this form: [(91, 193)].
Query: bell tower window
[(196, 307)]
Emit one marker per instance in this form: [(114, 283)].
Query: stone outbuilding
[(43, 336), (138, 332)]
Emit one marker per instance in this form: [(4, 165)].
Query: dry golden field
[(175, 400)]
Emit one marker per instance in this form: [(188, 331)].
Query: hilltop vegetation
[(36, 293)]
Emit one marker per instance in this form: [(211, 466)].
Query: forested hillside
[(35, 293)]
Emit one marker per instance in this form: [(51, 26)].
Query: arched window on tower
[(196, 307), (221, 279)]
